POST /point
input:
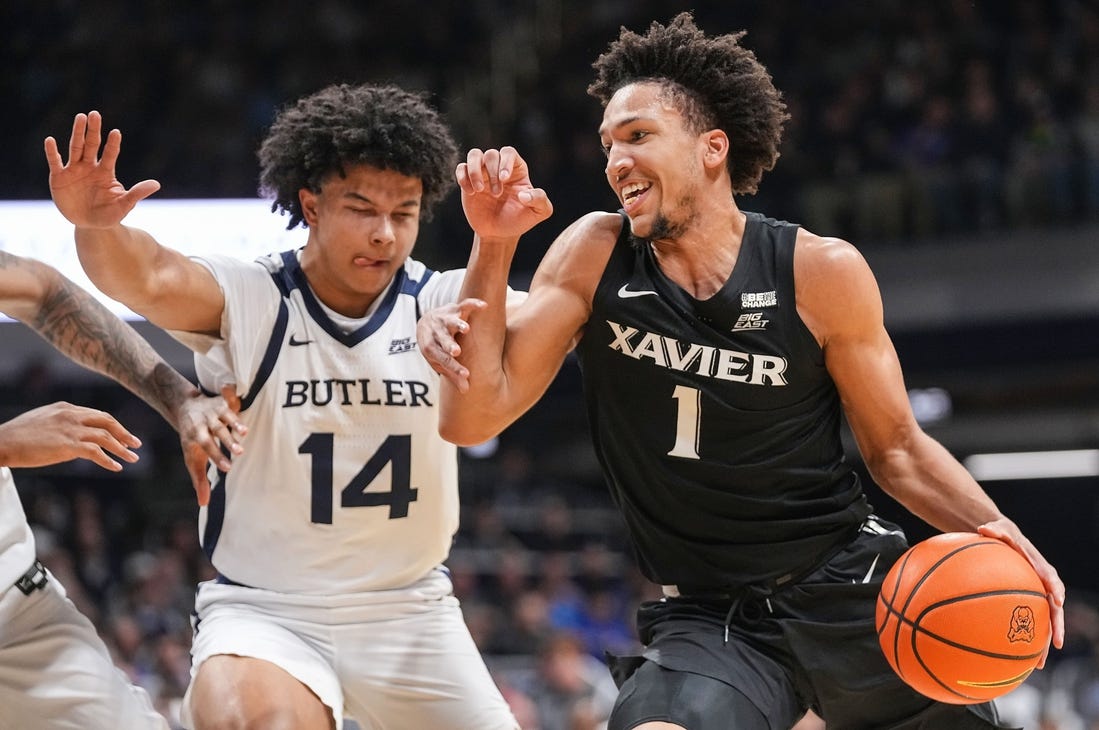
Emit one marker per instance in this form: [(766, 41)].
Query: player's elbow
[(465, 431)]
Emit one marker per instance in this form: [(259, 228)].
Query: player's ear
[(715, 148), (308, 200)]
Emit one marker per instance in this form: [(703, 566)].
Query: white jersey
[(345, 484), (16, 539)]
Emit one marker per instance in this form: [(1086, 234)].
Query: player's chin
[(368, 277), (640, 225)]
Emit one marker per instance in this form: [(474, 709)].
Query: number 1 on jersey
[(396, 451), (686, 422)]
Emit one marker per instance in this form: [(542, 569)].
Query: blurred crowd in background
[(910, 122)]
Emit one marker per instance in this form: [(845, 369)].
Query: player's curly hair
[(343, 125), (715, 83)]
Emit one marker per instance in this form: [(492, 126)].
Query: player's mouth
[(367, 263), (633, 193)]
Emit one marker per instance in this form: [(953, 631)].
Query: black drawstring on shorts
[(743, 599)]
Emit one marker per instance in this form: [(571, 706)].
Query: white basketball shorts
[(395, 658), (55, 671)]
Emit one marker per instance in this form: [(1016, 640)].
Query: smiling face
[(361, 229), (654, 161)]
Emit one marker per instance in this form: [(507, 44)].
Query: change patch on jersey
[(754, 300)]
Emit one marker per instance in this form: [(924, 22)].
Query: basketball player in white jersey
[(55, 671), (329, 534)]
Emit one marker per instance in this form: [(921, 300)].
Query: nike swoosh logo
[(870, 573), (298, 343), (625, 293)]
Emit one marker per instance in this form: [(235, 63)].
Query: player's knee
[(269, 717), (236, 693)]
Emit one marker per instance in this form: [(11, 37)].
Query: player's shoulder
[(416, 270), (598, 226), (220, 262), (827, 253), (432, 288), (588, 234), (832, 283)]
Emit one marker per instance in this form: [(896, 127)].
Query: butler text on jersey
[(362, 391)]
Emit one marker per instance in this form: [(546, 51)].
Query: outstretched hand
[(435, 335), (85, 189), (497, 195), (208, 428), (60, 432)]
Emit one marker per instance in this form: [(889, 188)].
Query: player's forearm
[(121, 263), (482, 411), (89, 334), (934, 486)]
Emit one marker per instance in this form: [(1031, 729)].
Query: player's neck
[(701, 259)]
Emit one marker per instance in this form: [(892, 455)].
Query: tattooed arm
[(84, 330)]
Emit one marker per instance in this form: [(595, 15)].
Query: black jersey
[(716, 422)]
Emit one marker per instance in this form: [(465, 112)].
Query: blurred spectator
[(927, 151), (1039, 180), (572, 691), (983, 141), (528, 626)]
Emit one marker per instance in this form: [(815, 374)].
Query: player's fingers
[(92, 452), (221, 438), (106, 441), (511, 164), (475, 173), (537, 200), (441, 340), (111, 428), (468, 306), (140, 191), (76, 138), (232, 399), (104, 429), (53, 155), (111, 148), (94, 136), (1055, 591), (229, 429), (491, 168), (196, 467), (461, 176), (453, 371), (1057, 618)]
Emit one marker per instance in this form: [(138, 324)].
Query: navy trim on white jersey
[(270, 355), (215, 515), (293, 276)]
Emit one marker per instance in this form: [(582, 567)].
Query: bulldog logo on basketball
[(1022, 625)]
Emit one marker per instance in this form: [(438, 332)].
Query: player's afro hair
[(715, 83), (341, 126)]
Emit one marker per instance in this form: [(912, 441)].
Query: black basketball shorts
[(812, 645)]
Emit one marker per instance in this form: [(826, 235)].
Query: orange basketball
[(963, 618)]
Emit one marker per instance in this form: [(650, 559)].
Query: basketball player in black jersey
[(719, 351)]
